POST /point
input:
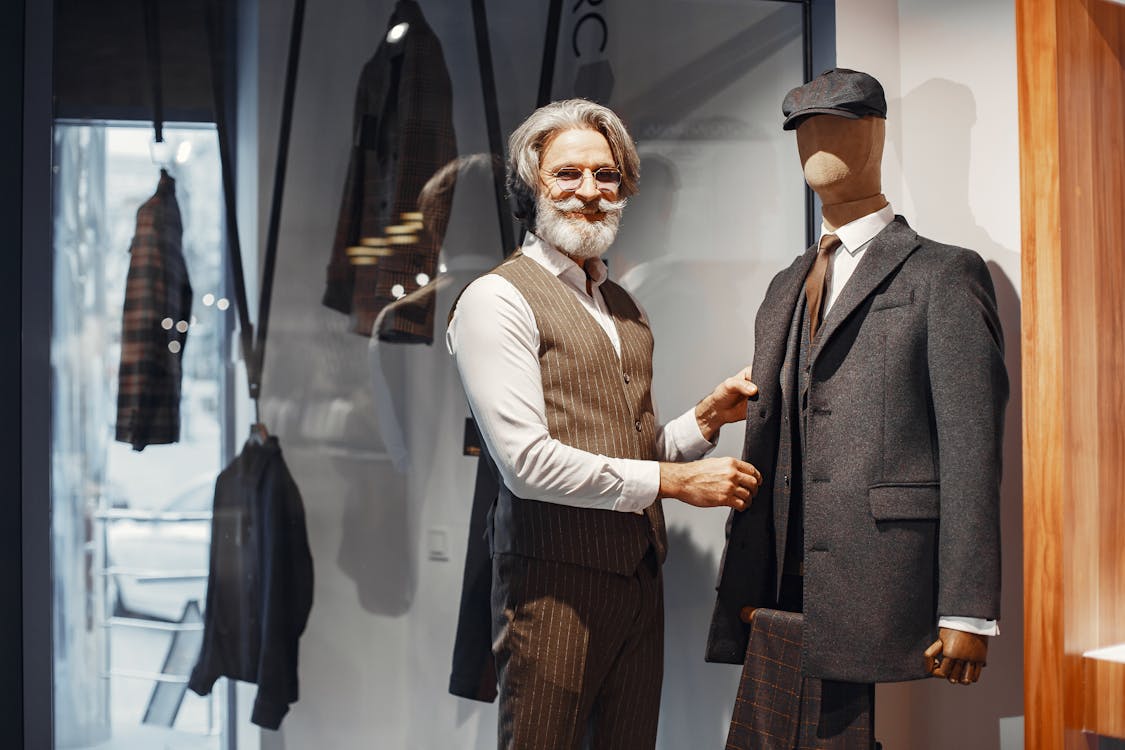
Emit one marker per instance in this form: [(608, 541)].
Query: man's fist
[(711, 482)]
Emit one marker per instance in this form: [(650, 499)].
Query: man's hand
[(727, 403), (710, 483), (957, 656)]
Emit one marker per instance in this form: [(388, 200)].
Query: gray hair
[(526, 145)]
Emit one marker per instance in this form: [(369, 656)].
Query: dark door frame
[(25, 283)]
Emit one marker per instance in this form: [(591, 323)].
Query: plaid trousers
[(779, 709)]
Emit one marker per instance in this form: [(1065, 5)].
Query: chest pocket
[(891, 299)]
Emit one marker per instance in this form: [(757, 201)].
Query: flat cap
[(842, 92)]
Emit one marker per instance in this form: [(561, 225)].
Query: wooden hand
[(957, 656)]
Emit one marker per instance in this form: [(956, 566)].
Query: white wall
[(951, 167)]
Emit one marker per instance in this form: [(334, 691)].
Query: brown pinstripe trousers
[(578, 651)]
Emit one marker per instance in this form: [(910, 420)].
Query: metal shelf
[(136, 622), (152, 516), (150, 575), (138, 674)]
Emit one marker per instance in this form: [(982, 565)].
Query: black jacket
[(259, 592)]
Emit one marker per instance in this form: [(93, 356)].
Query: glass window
[(131, 529)]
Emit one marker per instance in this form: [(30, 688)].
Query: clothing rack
[(253, 347)]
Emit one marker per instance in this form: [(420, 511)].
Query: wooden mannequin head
[(842, 161)]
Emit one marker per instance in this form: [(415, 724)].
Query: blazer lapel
[(888, 250), (777, 318)]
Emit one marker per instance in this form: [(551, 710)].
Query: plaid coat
[(403, 134), (154, 328)]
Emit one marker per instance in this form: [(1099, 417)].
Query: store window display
[(879, 357)]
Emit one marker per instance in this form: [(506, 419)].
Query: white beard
[(578, 238)]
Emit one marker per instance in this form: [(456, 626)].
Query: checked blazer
[(900, 467), (402, 134), (154, 327)]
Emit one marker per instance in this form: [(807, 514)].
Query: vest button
[(626, 377), (637, 424)]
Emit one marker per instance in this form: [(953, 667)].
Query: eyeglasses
[(569, 178)]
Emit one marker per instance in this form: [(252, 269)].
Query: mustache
[(574, 204)]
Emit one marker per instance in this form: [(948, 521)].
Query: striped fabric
[(778, 709), (579, 652), (577, 602), (595, 402)]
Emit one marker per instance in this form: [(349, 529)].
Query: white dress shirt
[(855, 237), (494, 340)]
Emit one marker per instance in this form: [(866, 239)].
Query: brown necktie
[(816, 283)]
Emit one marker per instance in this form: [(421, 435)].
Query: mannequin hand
[(957, 656), (725, 404)]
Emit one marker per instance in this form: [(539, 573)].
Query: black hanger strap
[(152, 45)]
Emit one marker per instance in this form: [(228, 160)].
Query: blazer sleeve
[(286, 594), (969, 386)]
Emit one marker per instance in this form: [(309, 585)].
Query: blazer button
[(626, 377), (637, 424)]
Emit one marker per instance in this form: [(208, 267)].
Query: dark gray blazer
[(901, 463)]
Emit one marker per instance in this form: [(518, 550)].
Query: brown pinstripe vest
[(595, 402)]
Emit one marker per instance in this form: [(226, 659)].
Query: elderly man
[(556, 361)]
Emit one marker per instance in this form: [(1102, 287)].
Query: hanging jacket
[(155, 322), (259, 589), (402, 134)]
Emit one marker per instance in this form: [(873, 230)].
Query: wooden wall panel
[(1107, 38), (1042, 372), (1072, 150)]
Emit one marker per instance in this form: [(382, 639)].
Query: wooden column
[(1072, 182)]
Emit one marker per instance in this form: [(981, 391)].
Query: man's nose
[(587, 189)]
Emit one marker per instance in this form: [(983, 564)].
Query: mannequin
[(842, 163), (879, 364)]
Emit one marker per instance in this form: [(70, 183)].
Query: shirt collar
[(855, 234), (558, 263)]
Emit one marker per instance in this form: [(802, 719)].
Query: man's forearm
[(708, 419)]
